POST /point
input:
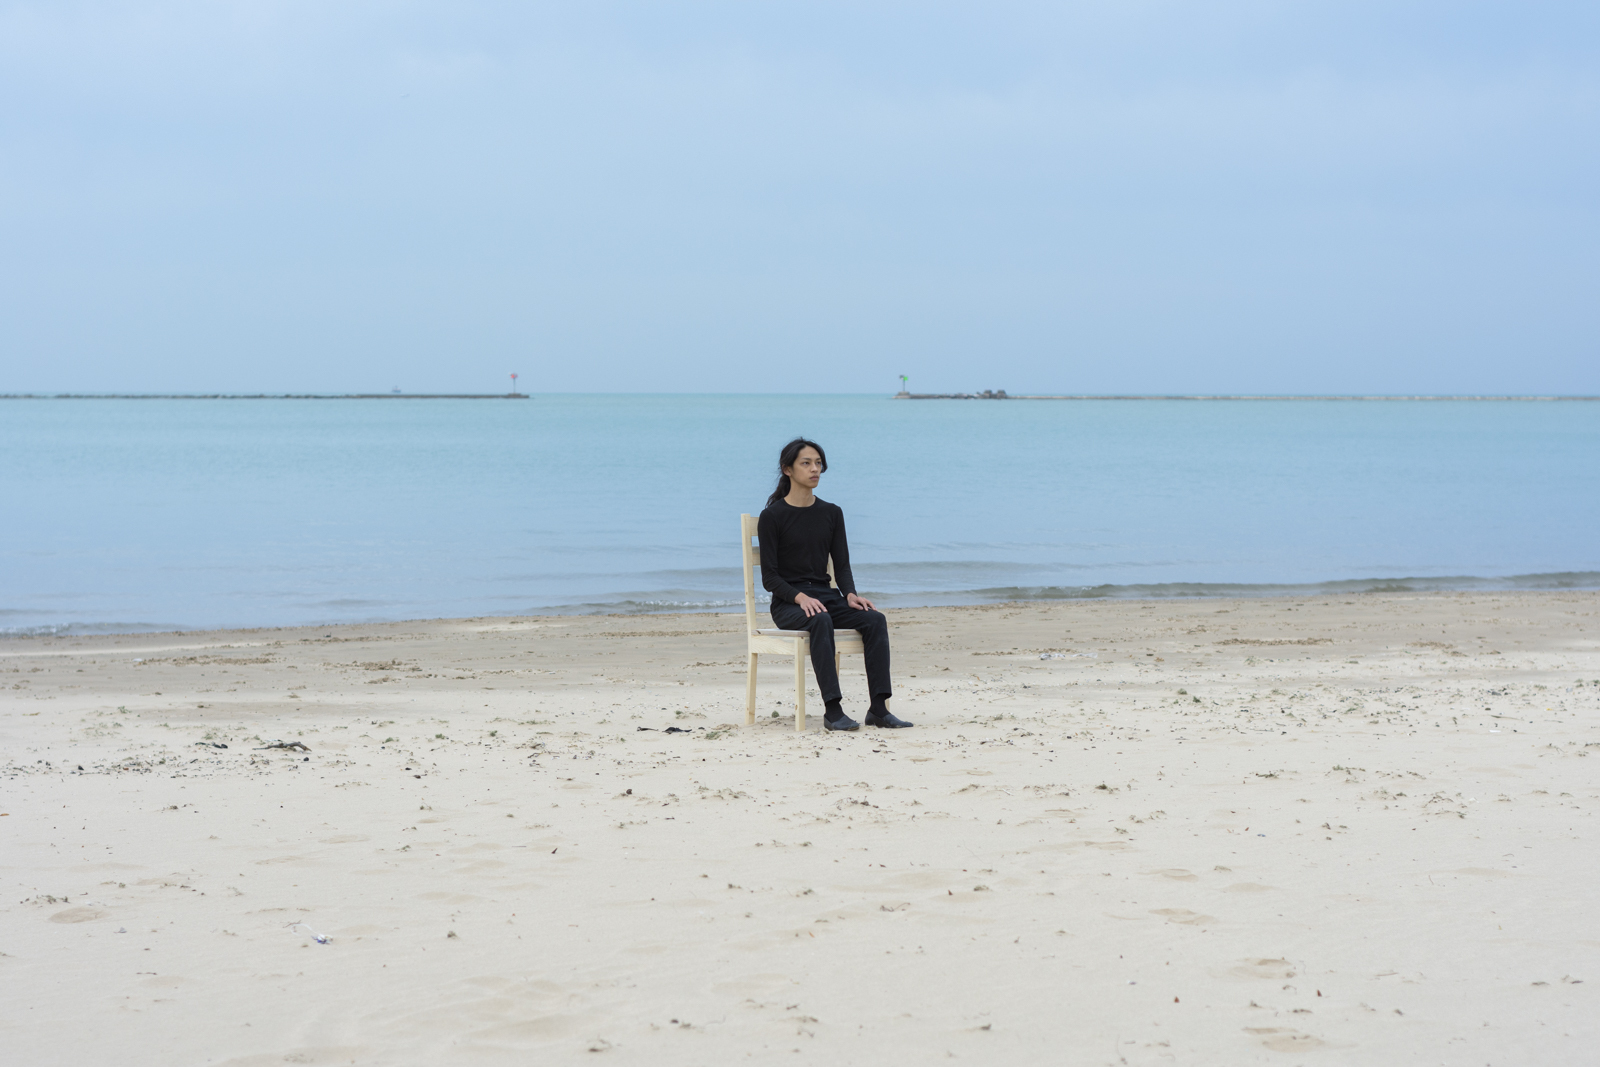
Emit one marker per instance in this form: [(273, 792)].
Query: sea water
[(156, 514)]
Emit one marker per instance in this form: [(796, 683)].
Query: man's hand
[(808, 604), (860, 603)]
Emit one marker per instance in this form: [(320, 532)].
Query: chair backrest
[(750, 553)]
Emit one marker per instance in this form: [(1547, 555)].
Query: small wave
[(1169, 590), (639, 607), (688, 601), (637, 604), (73, 629)]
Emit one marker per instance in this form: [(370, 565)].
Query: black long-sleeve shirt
[(796, 544)]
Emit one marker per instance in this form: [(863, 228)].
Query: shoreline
[(22, 644), (1155, 593), (735, 618)]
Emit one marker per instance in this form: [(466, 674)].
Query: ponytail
[(780, 492)]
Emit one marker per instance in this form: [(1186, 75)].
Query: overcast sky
[(1114, 196)]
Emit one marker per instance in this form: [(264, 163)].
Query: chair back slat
[(750, 556)]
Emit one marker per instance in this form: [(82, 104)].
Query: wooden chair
[(773, 641)]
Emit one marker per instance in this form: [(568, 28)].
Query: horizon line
[(265, 396), (988, 395)]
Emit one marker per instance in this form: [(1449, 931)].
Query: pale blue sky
[(774, 197)]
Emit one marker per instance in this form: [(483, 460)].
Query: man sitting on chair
[(798, 532)]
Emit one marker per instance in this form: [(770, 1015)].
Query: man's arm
[(771, 580), (840, 551), (841, 567)]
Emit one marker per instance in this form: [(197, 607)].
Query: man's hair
[(787, 458)]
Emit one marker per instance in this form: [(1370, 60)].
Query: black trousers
[(874, 639)]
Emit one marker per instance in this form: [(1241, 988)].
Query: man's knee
[(874, 620), (820, 621)]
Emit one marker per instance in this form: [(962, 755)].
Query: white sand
[(1377, 848)]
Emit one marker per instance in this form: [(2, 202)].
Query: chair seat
[(843, 640)]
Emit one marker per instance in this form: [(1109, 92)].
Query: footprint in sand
[(77, 915), (328, 1054), (1280, 1040), (1276, 969), (1182, 915), (499, 1014)]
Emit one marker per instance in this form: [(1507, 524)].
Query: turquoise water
[(138, 514)]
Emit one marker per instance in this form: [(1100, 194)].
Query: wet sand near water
[(1222, 832)]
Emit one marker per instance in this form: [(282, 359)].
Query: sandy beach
[(1324, 830)]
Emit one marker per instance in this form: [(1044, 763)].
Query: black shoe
[(843, 722), (886, 720)]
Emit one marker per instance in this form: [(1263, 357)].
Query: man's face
[(807, 469)]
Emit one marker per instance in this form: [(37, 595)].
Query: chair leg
[(799, 690), (750, 694)]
